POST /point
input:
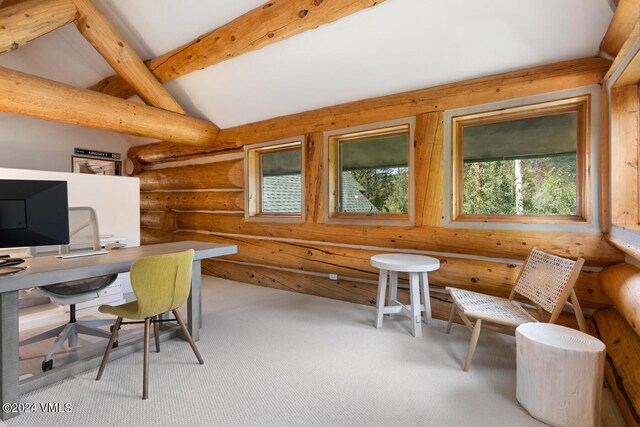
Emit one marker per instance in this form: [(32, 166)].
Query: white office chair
[(75, 292)]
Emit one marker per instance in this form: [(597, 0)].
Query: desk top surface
[(48, 270)]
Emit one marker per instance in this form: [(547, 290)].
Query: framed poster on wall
[(95, 166)]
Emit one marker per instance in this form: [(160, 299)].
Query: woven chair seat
[(490, 308), (545, 280)]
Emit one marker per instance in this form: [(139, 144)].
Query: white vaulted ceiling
[(396, 46)]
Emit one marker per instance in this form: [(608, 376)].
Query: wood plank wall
[(204, 201)]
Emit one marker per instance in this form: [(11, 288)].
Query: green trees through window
[(371, 173), (387, 190), (548, 187), (528, 161)]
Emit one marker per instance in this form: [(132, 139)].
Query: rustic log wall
[(623, 357), (499, 87), (200, 197), (345, 290)]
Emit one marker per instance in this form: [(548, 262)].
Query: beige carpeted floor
[(276, 358)]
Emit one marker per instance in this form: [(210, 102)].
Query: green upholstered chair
[(161, 283)]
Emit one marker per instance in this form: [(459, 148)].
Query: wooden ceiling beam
[(26, 21), (272, 22), (37, 97), (97, 29), (624, 18), (626, 48), (631, 74)]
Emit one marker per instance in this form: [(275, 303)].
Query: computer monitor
[(33, 213)]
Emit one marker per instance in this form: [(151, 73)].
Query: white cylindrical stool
[(417, 266), (560, 374)]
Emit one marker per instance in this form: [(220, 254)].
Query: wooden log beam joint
[(97, 29)]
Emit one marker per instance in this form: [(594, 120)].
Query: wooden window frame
[(580, 104), (253, 179), (334, 143)]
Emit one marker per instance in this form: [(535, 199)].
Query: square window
[(280, 172), (524, 163), (370, 174), (274, 177)]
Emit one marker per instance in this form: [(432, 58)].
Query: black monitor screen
[(33, 213)]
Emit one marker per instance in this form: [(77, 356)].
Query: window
[(522, 164), (369, 174), (274, 177)]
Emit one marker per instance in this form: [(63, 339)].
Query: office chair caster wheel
[(115, 344), (47, 365)]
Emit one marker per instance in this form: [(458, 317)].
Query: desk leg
[(194, 304), (9, 358)]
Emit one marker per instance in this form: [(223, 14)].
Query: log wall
[(201, 197), (623, 357), (619, 328)]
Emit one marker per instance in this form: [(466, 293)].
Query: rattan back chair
[(545, 280)]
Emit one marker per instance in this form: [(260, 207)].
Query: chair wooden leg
[(185, 331), (145, 369), (472, 344), (540, 312), (582, 324), (105, 358), (156, 332), (452, 315)]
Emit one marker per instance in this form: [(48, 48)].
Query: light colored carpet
[(277, 358)]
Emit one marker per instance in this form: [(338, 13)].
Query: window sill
[(521, 219), (374, 221), (629, 249), (288, 219), (632, 227)]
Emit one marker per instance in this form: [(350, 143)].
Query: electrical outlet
[(333, 276)]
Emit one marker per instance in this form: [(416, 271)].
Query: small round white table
[(560, 373), (417, 266)]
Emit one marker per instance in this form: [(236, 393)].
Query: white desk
[(48, 270)]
